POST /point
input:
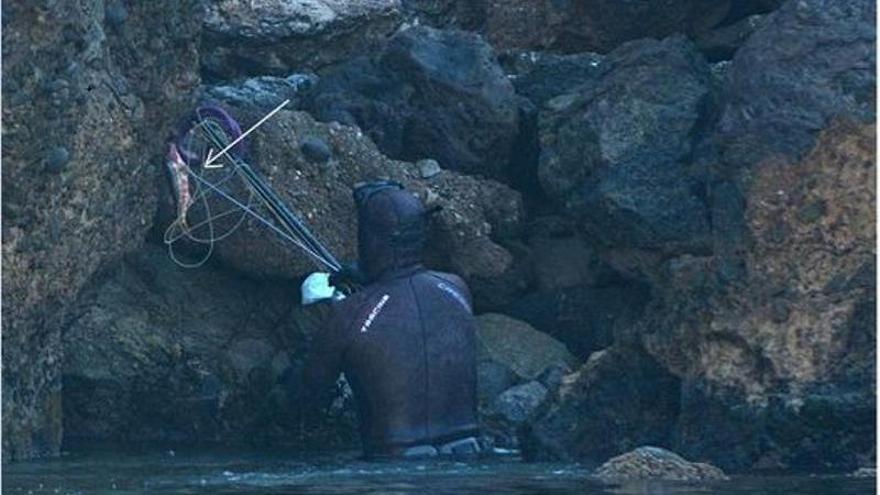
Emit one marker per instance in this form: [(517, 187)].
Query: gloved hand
[(349, 278), (316, 287)]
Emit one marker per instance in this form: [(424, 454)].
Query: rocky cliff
[(90, 92), (666, 213)]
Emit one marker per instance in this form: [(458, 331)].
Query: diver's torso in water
[(410, 359)]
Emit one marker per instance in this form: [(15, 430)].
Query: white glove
[(316, 287)]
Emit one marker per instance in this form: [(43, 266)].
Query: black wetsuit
[(405, 341)]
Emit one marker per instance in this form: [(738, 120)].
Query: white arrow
[(212, 159), (208, 160)]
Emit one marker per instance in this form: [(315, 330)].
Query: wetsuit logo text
[(374, 312)]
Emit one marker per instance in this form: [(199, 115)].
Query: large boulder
[(428, 94), (475, 212), (90, 90), (276, 37), (162, 354), (619, 399), (811, 61), (615, 153)]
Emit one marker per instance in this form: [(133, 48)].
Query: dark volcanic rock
[(259, 37), (811, 61), (540, 76), (469, 15), (614, 154), (760, 356), (428, 94), (722, 43), (619, 399), (595, 25), (162, 354), (584, 318), (262, 92), (94, 103), (653, 463)]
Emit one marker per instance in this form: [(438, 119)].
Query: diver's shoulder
[(446, 277)]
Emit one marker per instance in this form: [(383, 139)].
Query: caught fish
[(179, 181)]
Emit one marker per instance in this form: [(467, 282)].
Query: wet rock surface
[(428, 94), (273, 37), (162, 354), (653, 463), (89, 96)]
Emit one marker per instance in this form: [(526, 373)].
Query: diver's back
[(411, 362)]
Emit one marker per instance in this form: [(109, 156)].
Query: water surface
[(220, 472)]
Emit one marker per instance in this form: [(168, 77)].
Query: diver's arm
[(324, 364)]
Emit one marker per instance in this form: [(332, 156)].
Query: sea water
[(165, 471)]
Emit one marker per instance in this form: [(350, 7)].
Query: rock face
[(652, 463), (475, 212), (614, 153), (517, 369), (277, 37), (540, 76), (619, 399), (811, 61), (162, 354), (772, 368), (595, 25), (428, 94), (789, 338), (762, 321), (89, 94)]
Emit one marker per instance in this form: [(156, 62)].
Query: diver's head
[(392, 227)]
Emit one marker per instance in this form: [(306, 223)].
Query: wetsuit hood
[(392, 229)]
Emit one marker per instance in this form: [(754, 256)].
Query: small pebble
[(315, 149), (428, 168), (57, 159)]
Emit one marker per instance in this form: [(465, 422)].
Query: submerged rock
[(653, 463), (102, 99), (428, 94), (274, 37)]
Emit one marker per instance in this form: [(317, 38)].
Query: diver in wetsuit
[(405, 340)]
